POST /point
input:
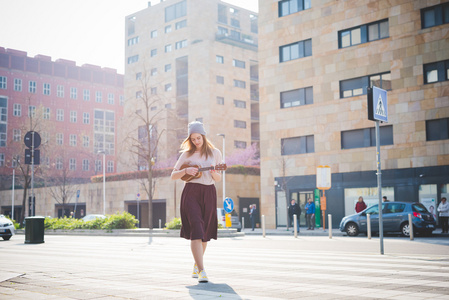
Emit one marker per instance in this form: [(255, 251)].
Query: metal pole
[(224, 172), (104, 183), (379, 189), (329, 216), (368, 224), (32, 174), (295, 224), (410, 225), (160, 223), (263, 226), (12, 197), (243, 223)]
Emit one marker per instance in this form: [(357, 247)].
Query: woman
[(360, 205), (199, 197)]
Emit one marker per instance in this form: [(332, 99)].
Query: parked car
[(6, 228), (395, 219), (92, 217), (235, 223)]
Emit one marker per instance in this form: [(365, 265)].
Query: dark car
[(395, 219)]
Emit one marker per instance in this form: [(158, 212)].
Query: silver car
[(6, 228)]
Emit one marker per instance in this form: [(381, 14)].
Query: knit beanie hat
[(196, 127)]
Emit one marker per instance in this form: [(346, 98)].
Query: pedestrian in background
[(310, 214), (384, 199), (199, 196), (253, 215), (360, 205), (294, 209), (443, 208)]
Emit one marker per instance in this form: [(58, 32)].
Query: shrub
[(173, 224), (122, 220)]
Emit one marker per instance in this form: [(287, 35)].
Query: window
[(254, 25), (298, 145), (60, 91), (110, 166), (17, 110), (110, 98), (32, 87), (104, 131), (220, 100), (168, 48), (288, 7), (181, 44), (239, 83), (168, 105), (73, 116), (2, 159), (239, 103), (220, 79), (133, 59), (239, 124), (31, 111), (139, 76), (222, 14), (358, 86), (152, 108), (235, 23), (238, 63), (235, 35), (153, 91), (366, 137), (138, 94), (168, 87), (296, 50), (58, 163), (3, 82), (72, 164), (153, 52), (72, 140), (17, 84), (181, 24), (168, 29), (297, 97), (153, 34), (98, 97), (98, 165), (16, 134), (86, 118), (219, 59), (437, 129), (223, 31), (133, 41), (86, 141), (176, 11), (153, 71), (86, 95), (121, 100), (73, 93), (436, 72), (167, 67), (85, 165), (46, 113), (240, 144), (435, 15), (60, 115), (363, 34), (59, 138), (46, 89)]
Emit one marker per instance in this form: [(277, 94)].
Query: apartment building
[(317, 60), (74, 109)]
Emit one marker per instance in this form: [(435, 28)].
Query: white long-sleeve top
[(444, 209)]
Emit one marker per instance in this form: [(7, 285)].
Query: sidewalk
[(302, 231)]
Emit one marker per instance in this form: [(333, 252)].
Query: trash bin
[(34, 230)]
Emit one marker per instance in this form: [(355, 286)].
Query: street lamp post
[(14, 161), (104, 180), (224, 172)]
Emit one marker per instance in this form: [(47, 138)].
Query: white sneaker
[(202, 276), (195, 271)]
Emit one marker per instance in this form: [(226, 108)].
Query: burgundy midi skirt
[(199, 212)]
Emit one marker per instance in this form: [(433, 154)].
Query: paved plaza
[(244, 267)]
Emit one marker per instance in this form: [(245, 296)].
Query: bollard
[(368, 225), (295, 226), (263, 225), (160, 223), (410, 225), (243, 223), (329, 216)]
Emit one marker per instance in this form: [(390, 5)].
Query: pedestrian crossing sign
[(377, 104)]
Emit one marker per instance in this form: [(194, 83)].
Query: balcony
[(245, 43)]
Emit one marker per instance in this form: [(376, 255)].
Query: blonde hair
[(188, 146)]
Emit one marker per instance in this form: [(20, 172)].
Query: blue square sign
[(379, 105)]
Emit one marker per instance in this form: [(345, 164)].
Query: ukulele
[(187, 177)]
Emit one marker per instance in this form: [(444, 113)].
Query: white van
[(235, 223)]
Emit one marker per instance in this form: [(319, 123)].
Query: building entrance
[(301, 199)]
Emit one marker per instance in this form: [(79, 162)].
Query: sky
[(84, 31)]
